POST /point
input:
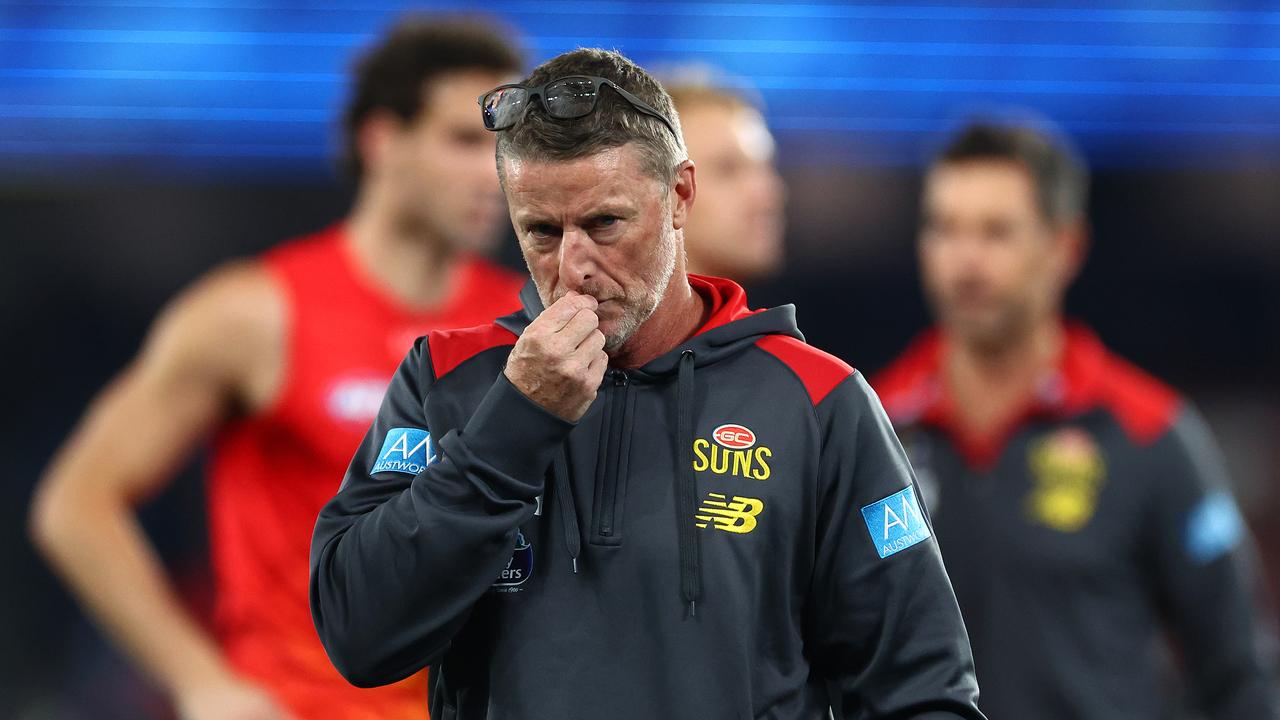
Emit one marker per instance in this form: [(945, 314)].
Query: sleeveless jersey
[(272, 472)]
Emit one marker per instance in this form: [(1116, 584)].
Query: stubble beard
[(639, 310)]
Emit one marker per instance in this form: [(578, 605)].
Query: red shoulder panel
[(819, 371), (451, 348), (1145, 407)]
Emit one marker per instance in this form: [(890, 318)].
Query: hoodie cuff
[(513, 434)]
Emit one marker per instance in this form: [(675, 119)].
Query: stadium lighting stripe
[(171, 75), (680, 45), (209, 79), (749, 10), (784, 122), (1109, 127), (110, 112)]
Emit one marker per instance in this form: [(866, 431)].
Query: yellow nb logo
[(735, 516)]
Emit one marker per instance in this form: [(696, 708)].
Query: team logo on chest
[(519, 568), (1067, 471), (732, 450)]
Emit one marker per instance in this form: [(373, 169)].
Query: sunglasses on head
[(565, 98)]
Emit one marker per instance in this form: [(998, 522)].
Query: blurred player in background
[(736, 230), (282, 361), (1081, 505)]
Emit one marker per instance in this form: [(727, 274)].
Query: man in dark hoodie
[(636, 498), (1083, 505)]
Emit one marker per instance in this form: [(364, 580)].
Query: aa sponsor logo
[(732, 450), (406, 450), (1214, 527), (896, 523), (736, 516)]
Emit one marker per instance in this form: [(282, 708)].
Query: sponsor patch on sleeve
[(1214, 528), (406, 450), (896, 523)]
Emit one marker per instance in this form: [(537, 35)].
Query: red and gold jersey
[(272, 472)]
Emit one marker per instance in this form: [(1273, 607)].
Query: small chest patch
[(1067, 473), (519, 568)]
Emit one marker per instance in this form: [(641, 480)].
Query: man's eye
[(606, 221), (542, 230)]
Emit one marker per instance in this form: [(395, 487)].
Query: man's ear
[(375, 139), (683, 192)]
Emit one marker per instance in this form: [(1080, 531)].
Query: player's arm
[(398, 560), (883, 623), (1205, 575), (213, 349)]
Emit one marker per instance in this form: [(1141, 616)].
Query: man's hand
[(559, 360), (229, 698)]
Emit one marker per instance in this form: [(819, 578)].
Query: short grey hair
[(612, 124)]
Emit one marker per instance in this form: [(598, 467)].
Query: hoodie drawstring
[(687, 491), (568, 508)]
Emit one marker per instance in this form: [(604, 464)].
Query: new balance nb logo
[(735, 516)]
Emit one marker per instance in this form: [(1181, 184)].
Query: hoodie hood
[(731, 328)]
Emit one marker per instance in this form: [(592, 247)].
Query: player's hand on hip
[(229, 699), (559, 360)]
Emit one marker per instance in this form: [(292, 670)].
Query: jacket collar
[(916, 393)]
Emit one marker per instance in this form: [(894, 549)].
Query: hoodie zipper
[(615, 454)]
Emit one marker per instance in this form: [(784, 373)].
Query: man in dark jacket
[(1081, 504), (636, 498)]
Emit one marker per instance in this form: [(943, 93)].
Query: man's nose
[(577, 259)]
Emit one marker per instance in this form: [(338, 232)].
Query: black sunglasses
[(564, 98)]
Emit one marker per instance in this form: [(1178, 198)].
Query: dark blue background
[(249, 86)]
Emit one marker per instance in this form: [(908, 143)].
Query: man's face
[(991, 264), (599, 226), (737, 231), (440, 166)]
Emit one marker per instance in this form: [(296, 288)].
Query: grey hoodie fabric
[(731, 531)]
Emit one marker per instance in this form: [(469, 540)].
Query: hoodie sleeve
[(883, 620), (422, 525), (1206, 579)]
